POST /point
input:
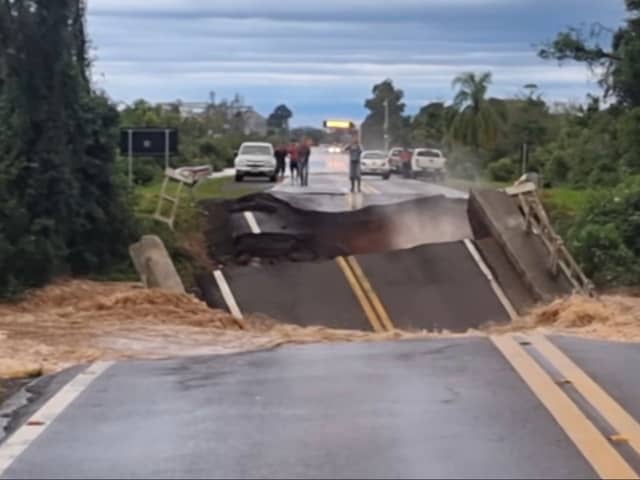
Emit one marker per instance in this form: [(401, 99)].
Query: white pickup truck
[(429, 163), (255, 159)]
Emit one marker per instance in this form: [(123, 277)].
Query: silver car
[(375, 162), (255, 159)]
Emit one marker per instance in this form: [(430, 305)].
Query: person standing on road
[(293, 162), (355, 170), (281, 161), (405, 159), (304, 154)]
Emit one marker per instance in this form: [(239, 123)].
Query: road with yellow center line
[(598, 448), (367, 297), (603, 456)]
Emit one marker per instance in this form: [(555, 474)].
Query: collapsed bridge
[(434, 263)]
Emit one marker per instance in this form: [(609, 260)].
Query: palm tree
[(475, 122)]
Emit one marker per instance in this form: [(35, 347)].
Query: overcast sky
[(322, 57)]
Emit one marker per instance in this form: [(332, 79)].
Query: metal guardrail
[(537, 222), (189, 176)]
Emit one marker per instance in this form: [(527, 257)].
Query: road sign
[(148, 142)]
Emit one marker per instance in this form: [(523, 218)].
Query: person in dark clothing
[(304, 153), (405, 158), (281, 161), (293, 162), (355, 170)]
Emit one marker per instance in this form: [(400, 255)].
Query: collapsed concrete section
[(436, 287), (496, 218), (154, 265), (413, 252)]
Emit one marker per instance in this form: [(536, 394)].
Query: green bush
[(145, 171), (504, 170), (605, 235), (605, 258)]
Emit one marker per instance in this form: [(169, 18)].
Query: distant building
[(254, 123), (186, 109), (235, 112)]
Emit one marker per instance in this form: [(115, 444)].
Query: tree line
[(62, 208), (596, 144)]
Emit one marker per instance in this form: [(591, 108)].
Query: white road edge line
[(506, 303), (17, 443), (253, 223), (227, 294)]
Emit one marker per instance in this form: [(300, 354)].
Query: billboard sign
[(148, 142), (339, 125)]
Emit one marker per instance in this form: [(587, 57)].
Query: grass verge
[(186, 243)]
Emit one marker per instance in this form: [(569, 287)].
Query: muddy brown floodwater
[(76, 321), (80, 321), (608, 317)]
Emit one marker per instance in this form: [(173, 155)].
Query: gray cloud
[(326, 55)]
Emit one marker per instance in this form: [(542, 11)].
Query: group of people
[(299, 154)]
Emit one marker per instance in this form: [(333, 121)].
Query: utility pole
[(386, 125), (525, 157)]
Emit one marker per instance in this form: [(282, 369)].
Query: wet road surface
[(446, 408), (329, 187), (412, 409)]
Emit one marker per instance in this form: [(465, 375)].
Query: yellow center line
[(625, 425), (348, 198), (602, 456), (371, 293), (360, 295), (368, 188)]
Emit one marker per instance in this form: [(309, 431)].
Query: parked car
[(255, 159), (429, 163), (374, 162), (395, 159)]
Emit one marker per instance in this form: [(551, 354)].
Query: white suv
[(255, 159), (374, 162), (430, 163)]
